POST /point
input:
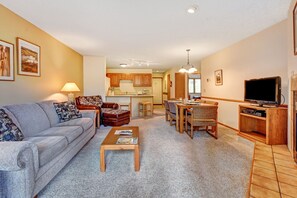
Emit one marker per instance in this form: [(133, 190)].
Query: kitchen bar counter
[(136, 96), (133, 100)]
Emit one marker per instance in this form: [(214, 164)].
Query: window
[(194, 85)]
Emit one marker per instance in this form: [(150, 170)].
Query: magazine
[(127, 140), (123, 132)]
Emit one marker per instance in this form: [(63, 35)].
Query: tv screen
[(263, 91)]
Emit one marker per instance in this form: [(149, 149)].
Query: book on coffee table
[(127, 140), (123, 132)]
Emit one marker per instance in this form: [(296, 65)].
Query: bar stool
[(142, 108), (126, 107)]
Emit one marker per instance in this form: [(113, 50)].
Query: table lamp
[(70, 87)]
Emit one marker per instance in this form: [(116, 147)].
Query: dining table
[(180, 114)]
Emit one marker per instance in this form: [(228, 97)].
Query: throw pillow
[(67, 111), (8, 130)]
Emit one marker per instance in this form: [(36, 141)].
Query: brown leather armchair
[(95, 103)]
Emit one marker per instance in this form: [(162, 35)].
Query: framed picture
[(28, 58), (219, 77), (294, 28), (6, 61)]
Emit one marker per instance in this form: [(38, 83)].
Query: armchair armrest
[(88, 107), (15, 155), (110, 105)]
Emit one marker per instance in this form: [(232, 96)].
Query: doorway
[(157, 91), (194, 86), (168, 87), (180, 84)]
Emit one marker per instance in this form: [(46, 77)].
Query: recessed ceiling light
[(192, 9), (123, 65)]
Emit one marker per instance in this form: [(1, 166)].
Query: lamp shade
[(192, 70), (70, 87), (182, 70)]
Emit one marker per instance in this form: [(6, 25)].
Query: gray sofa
[(28, 166)]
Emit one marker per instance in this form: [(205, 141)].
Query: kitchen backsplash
[(126, 87)]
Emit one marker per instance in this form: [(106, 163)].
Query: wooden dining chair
[(166, 110), (203, 116), (173, 116), (206, 102)]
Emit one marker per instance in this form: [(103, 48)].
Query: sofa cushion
[(48, 147), (8, 130), (49, 109), (70, 132), (67, 111), (32, 119), (90, 100), (85, 123)]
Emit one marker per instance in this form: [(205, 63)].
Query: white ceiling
[(157, 31)]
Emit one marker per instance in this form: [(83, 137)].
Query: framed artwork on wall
[(28, 58), (6, 61), (219, 77), (294, 28)]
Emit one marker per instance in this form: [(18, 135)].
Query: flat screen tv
[(263, 91)]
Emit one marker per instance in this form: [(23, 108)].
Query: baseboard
[(225, 125)]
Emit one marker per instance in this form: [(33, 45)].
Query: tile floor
[(274, 172)]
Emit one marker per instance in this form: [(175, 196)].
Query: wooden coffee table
[(109, 143)]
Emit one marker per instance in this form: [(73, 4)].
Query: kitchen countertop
[(131, 96)]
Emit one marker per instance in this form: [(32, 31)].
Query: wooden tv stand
[(270, 128)]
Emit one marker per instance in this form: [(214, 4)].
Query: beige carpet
[(172, 165)]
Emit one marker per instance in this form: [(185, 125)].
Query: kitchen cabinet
[(139, 80), (114, 79), (147, 80), (142, 80), (126, 76)]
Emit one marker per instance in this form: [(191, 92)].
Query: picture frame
[(218, 77), (294, 29), (29, 56), (6, 61)]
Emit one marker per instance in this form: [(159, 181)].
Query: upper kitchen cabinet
[(147, 80), (114, 79), (142, 80), (139, 80), (126, 76)]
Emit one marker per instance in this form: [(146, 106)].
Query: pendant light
[(192, 68), (182, 70)]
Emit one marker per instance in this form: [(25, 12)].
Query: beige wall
[(292, 67), (158, 75), (261, 55), (171, 72), (59, 63), (94, 76)]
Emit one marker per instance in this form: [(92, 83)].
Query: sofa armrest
[(19, 166), (93, 114), (110, 105), (14, 155), (88, 113)]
